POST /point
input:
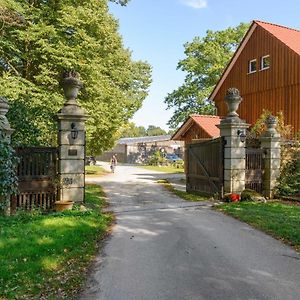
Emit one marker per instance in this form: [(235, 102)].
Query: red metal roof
[(206, 122), (289, 36)]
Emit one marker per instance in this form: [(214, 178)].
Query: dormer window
[(265, 62), (252, 66)]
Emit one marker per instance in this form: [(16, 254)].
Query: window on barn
[(265, 62), (252, 66)]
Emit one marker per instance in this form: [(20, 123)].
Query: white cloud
[(198, 4)]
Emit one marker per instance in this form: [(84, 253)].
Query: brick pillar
[(270, 142), (71, 140), (233, 130)]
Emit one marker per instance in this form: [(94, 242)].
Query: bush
[(289, 180), (179, 164), (156, 159), (250, 195)]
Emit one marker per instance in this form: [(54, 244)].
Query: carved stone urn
[(233, 100), (71, 85), (271, 123)]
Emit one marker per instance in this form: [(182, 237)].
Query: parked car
[(90, 161), (172, 158)]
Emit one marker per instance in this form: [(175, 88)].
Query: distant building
[(138, 149)]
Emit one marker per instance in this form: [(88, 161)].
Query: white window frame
[(261, 62), (249, 66)]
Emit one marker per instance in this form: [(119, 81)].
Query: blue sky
[(155, 31)]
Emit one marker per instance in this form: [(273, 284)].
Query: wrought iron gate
[(204, 170), (37, 173), (254, 169)]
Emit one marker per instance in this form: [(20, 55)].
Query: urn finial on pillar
[(71, 85), (271, 123), (233, 99)]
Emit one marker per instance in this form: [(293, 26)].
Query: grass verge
[(165, 169), (182, 194), (95, 170), (280, 220), (47, 256)]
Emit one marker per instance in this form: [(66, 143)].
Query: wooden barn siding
[(276, 89)]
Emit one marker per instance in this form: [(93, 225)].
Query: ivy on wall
[(8, 178)]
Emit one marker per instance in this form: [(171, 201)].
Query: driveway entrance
[(163, 248)]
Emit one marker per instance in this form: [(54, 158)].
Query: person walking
[(113, 163)]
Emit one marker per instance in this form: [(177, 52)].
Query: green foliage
[(250, 195), (260, 126), (8, 178), (41, 39), (46, 256), (155, 130), (131, 130), (205, 61), (156, 159), (289, 180)]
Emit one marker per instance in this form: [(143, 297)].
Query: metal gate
[(37, 173), (204, 170), (254, 169)]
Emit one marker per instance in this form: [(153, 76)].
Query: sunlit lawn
[(46, 256), (95, 171), (277, 219), (165, 169), (182, 194)]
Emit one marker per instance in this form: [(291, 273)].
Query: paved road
[(165, 249)]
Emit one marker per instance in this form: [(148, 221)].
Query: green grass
[(48, 255), (95, 170), (165, 169), (182, 194), (280, 220)]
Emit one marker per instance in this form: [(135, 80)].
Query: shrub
[(289, 180), (156, 159), (250, 195)]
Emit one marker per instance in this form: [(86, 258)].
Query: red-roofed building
[(266, 70), (198, 127)]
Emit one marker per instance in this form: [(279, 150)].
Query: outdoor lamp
[(242, 135), (74, 131)]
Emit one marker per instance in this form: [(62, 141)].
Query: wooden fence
[(37, 174)]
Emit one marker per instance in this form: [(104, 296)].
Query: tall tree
[(131, 130), (155, 130), (38, 40), (205, 61)]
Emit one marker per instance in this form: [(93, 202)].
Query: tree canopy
[(39, 39), (131, 130), (205, 61)]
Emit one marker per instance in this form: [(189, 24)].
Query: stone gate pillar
[(5, 129), (71, 141), (233, 130), (270, 142), (5, 134)]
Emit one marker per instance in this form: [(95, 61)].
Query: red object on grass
[(235, 197)]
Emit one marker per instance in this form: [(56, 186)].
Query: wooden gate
[(254, 169), (204, 170), (37, 173)]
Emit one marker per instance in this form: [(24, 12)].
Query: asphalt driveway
[(165, 248)]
